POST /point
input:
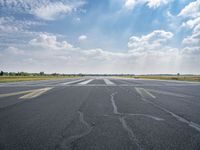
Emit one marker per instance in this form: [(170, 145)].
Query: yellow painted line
[(29, 94), (35, 93), (13, 94)]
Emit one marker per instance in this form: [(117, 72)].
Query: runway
[(100, 113)]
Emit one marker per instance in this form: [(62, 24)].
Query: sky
[(100, 36)]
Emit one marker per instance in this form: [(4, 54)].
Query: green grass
[(4, 79), (160, 77)]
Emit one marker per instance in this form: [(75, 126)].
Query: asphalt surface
[(100, 114)]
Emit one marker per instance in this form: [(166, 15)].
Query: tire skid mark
[(125, 126), (67, 143)]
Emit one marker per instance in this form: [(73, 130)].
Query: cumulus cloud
[(50, 41), (191, 51), (49, 53), (149, 53), (192, 40), (191, 10), (191, 23), (152, 41), (191, 16), (130, 4)]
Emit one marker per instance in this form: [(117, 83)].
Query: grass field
[(4, 79), (160, 77)]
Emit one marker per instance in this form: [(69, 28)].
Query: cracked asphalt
[(100, 114)]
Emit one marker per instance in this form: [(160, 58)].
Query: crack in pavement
[(67, 143), (132, 137), (115, 110)]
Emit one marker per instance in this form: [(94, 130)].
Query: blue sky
[(100, 36)]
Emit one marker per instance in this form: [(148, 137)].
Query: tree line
[(2, 73)]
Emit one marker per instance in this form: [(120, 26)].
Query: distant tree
[(23, 74), (41, 73), (1, 73), (54, 74), (5, 73), (80, 74), (12, 73), (178, 74)]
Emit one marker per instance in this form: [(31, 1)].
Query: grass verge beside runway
[(4, 79), (195, 78)]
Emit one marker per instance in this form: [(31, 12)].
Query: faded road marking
[(168, 93), (144, 93), (70, 82), (29, 94), (108, 82), (177, 117), (35, 93), (86, 82)]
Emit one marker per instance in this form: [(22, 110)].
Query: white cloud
[(13, 50), (82, 38), (50, 41), (191, 10), (191, 23), (130, 4), (191, 15), (190, 40), (11, 25), (192, 51), (152, 41), (43, 9), (47, 53), (157, 3), (52, 11), (7, 26)]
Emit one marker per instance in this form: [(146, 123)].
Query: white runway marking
[(108, 82), (70, 82), (177, 117), (168, 93), (86, 82), (144, 93)]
